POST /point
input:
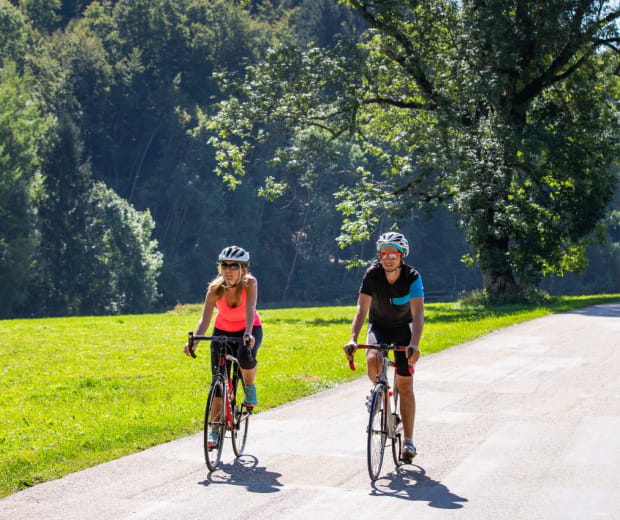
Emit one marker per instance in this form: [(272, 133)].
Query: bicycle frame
[(231, 415), (390, 391), (389, 426)]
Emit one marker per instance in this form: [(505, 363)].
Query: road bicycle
[(384, 422), (226, 409)]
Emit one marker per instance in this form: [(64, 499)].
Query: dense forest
[(116, 191)]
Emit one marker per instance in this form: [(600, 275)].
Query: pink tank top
[(232, 319)]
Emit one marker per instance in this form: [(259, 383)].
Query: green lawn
[(81, 391)]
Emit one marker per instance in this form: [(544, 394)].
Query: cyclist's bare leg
[(249, 376), (374, 362), (407, 403), (216, 409)]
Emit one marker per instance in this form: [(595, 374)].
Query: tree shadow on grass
[(410, 482), (246, 472)]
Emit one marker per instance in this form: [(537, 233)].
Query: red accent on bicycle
[(383, 347)]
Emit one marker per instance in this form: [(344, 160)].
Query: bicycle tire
[(215, 422), (241, 417), (377, 434)]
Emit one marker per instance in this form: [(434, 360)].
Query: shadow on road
[(245, 471), (608, 310), (410, 482)]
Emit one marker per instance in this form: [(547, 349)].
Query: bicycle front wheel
[(241, 419), (215, 424), (377, 434)]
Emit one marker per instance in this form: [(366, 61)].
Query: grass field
[(81, 391)]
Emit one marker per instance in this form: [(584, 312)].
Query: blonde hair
[(217, 285)]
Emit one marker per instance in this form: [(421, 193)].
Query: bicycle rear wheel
[(397, 441), (241, 418), (215, 421), (377, 420)]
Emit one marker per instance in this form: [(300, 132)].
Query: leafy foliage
[(22, 130), (346, 125), (506, 114)]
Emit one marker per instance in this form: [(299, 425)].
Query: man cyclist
[(392, 296)]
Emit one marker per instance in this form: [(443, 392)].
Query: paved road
[(521, 424)]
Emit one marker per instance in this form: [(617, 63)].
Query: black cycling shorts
[(246, 357), (392, 336)]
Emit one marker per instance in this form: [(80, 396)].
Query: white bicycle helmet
[(234, 254), (393, 238)]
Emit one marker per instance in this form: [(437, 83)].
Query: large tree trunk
[(497, 275)]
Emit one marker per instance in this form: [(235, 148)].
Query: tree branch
[(408, 62), (579, 42), (397, 103)]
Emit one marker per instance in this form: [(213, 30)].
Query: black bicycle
[(226, 408), (384, 422)]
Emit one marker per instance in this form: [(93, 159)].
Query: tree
[(42, 14), (323, 22), (502, 111), (162, 55), (59, 285), (13, 35), (602, 274), (125, 261), (22, 130), (95, 253)]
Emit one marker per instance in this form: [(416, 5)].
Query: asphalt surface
[(521, 424)]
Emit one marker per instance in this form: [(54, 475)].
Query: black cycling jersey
[(390, 302)]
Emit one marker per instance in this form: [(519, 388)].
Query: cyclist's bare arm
[(251, 286), (203, 322), (363, 305), (417, 311)]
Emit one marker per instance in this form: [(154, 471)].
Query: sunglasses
[(225, 265), (389, 256)]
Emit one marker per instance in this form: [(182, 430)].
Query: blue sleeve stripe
[(416, 289)]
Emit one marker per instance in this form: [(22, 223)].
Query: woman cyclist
[(234, 293), (392, 296)]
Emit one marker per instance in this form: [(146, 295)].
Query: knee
[(372, 356), (246, 359), (404, 385)]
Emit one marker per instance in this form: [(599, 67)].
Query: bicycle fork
[(230, 398), (394, 424)]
